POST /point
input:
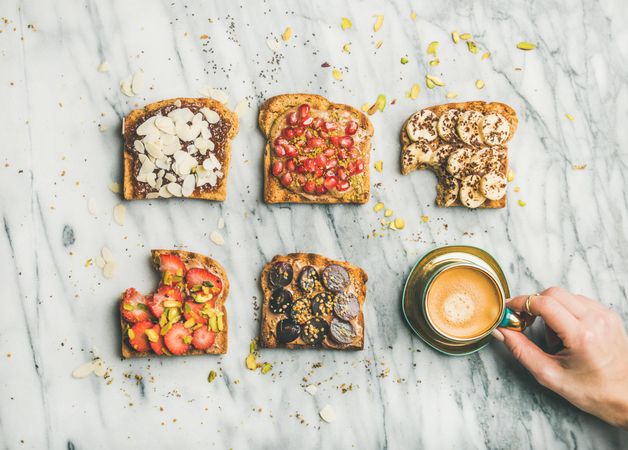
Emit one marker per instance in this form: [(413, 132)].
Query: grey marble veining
[(57, 313)]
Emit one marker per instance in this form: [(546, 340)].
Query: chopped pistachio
[(381, 102), (414, 92), (337, 74), (465, 36), (152, 335), (486, 55), (266, 368), (435, 80), (526, 45), (250, 362), (479, 84), (345, 23), (379, 165), (522, 203), (88, 262), (569, 116), (432, 47), (425, 219), (212, 376), (452, 94), (189, 323), (473, 48), (286, 34), (166, 328), (429, 83), (187, 339), (435, 62), (413, 15), (128, 307), (131, 334), (579, 166), (517, 189), (365, 107), (221, 324), (510, 176), (378, 22), (455, 36), (252, 346), (388, 212), (171, 304), (378, 207), (347, 47), (399, 223), (404, 60)]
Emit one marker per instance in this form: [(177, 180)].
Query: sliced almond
[(273, 44), (137, 85), (211, 115), (110, 269), (103, 66), (327, 414), (119, 214), (165, 124), (216, 238), (189, 183), (83, 370), (242, 108), (286, 34), (91, 207)]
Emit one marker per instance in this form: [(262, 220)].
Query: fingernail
[(498, 335)]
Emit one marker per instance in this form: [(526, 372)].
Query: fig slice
[(346, 306), (335, 278), (280, 274), (342, 331)]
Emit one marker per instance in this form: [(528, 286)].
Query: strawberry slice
[(164, 293), (178, 339), (171, 264), (192, 310), (137, 336), (199, 278), (133, 306), (203, 338), (156, 345)]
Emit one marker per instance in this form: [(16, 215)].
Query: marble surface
[(54, 159)]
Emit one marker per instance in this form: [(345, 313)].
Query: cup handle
[(512, 320)]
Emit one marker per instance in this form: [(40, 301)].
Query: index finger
[(555, 315)]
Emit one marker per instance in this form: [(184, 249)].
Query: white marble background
[(57, 314)]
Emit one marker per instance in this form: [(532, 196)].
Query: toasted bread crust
[(274, 107), (268, 320), (222, 338), (138, 115), (486, 108)]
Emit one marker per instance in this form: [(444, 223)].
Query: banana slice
[(414, 155), (422, 125), (493, 185), (458, 161), (441, 155), (446, 191), (494, 129), (468, 127), (447, 125), (484, 160), (470, 194)]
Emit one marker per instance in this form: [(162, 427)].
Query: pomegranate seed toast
[(316, 151), (310, 301), (185, 316), (178, 148), (465, 145)]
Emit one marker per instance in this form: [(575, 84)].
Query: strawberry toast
[(185, 316)]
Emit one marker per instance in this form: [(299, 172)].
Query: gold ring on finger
[(528, 304)]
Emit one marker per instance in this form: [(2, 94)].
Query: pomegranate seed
[(320, 160), (308, 134), (335, 140), (342, 185), (290, 165), (288, 133), (301, 180), (310, 186), (323, 134), (319, 173), (307, 121), (341, 173), (277, 168), (341, 153), (298, 131), (359, 166), (280, 141), (351, 128), (310, 165), (318, 122), (321, 189), (331, 163), (330, 173), (291, 150), (286, 179), (304, 110), (292, 118), (280, 150), (331, 126), (346, 141), (354, 152), (330, 183), (301, 169), (351, 167), (315, 142), (329, 152)]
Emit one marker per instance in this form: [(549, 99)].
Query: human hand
[(591, 371)]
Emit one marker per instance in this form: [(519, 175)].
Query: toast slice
[(477, 134), (179, 147), (316, 151), (310, 301), (207, 309)]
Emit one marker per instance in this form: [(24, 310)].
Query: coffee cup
[(455, 297)]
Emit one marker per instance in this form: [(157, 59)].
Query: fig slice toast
[(316, 151), (310, 301), (466, 146), (186, 315), (179, 147)]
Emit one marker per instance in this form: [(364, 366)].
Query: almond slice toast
[(465, 145), (310, 301), (185, 316), (178, 148), (316, 151)]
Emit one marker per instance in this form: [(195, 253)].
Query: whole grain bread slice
[(191, 260), (137, 116), (271, 110)]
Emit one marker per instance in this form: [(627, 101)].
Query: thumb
[(541, 365)]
